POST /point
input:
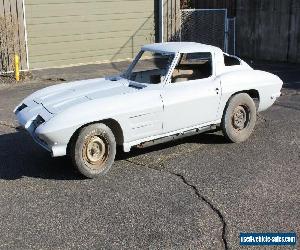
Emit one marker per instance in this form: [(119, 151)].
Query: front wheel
[(94, 150), (239, 118)]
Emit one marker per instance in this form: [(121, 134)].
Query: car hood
[(60, 97)]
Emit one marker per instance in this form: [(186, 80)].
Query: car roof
[(181, 47)]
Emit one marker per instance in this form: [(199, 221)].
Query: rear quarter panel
[(267, 85)]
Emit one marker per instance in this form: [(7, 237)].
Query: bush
[(9, 44), (186, 4)]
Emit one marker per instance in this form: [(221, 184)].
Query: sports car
[(170, 90)]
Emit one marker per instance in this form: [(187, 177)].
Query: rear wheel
[(94, 150), (239, 118)]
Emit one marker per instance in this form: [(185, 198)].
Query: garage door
[(62, 33)]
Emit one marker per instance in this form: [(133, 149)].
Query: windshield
[(151, 67)]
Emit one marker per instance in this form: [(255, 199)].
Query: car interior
[(231, 60), (153, 76), (193, 66), (152, 70)]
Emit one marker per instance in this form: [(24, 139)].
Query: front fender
[(137, 113)]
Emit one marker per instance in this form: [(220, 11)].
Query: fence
[(269, 30), (231, 36), (208, 26), (230, 5), (12, 34), (204, 26)]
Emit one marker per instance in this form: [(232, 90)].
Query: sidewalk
[(81, 72), (67, 74)]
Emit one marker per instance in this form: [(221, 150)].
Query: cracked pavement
[(194, 193)]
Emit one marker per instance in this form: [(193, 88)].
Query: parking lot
[(195, 193)]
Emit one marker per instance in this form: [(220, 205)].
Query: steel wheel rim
[(240, 118), (96, 151)]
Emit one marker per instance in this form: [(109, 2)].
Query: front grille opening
[(38, 121), (23, 106)]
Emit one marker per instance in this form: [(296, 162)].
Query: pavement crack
[(260, 117), (262, 120), (295, 141), (216, 210), (137, 163), (197, 193)]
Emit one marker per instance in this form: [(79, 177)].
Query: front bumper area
[(30, 117), (30, 126)]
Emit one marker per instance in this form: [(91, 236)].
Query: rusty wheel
[(94, 150), (239, 118)]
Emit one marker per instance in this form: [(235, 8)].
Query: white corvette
[(170, 90)]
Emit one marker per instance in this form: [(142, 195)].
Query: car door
[(190, 103)]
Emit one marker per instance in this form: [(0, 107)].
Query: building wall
[(71, 32), (269, 29)]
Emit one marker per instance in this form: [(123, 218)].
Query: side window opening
[(231, 60), (193, 66)]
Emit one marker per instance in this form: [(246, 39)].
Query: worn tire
[(239, 118), (93, 151)]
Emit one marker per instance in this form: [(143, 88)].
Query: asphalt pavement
[(195, 193)]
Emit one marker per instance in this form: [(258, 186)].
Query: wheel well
[(116, 129), (253, 93), (111, 123)]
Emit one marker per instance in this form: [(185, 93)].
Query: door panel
[(190, 103)]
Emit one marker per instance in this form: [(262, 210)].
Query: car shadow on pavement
[(20, 156), (204, 138)]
